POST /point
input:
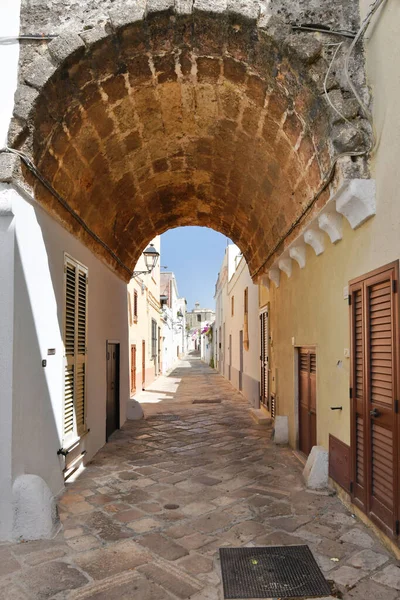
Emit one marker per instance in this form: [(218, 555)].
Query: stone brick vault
[(146, 117)]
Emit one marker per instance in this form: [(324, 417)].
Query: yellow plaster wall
[(310, 306)]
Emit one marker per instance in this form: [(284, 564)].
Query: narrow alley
[(147, 516)]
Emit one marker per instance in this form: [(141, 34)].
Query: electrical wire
[(360, 33), (329, 176), (326, 181), (29, 164), (19, 38), (342, 33)]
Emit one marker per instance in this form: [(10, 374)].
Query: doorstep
[(261, 415)]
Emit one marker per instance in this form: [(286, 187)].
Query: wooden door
[(374, 380), (143, 364), (240, 360), (112, 418), (264, 360), (307, 399), (133, 368)]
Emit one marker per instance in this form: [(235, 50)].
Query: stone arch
[(168, 115)]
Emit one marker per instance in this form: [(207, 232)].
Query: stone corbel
[(331, 223), (264, 281), (315, 239), (274, 275), (285, 265), (356, 200), (298, 253)]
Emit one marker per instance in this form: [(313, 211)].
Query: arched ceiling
[(201, 119)]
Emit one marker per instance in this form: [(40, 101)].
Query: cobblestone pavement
[(145, 519)]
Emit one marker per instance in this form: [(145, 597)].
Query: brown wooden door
[(143, 363), (374, 380), (133, 368), (307, 399), (112, 419), (264, 377)]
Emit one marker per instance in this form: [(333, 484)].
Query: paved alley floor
[(145, 519)]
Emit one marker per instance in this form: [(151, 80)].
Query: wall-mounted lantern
[(150, 258)]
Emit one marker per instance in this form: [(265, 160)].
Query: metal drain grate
[(271, 572)]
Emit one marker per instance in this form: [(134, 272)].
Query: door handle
[(374, 413)]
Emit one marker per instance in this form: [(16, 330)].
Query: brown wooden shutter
[(246, 342), (69, 342), (75, 341), (357, 392), (307, 399), (381, 384), (374, 380), (135, 306), (80, 397)]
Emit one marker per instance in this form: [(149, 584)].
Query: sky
[(195, 255)]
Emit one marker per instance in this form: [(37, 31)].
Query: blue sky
[(195, 255)]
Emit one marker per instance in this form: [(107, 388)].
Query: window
[(75, 343), (199, 318), (246, 320), (135, 306), (232, 306), (153, 338)]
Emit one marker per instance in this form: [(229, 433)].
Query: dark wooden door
[(264, 375), (112, 419), (307, 399), (374, 380), (143, 364), (133, 368), (241, 360)]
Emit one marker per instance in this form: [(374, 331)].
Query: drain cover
[(271, 572)]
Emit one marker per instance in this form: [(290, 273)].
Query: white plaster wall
[(239, 281), (39, 301), (6, 358), (9, 55)]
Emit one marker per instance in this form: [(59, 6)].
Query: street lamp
[(150, 258)]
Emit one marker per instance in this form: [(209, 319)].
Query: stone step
[(262, 417)]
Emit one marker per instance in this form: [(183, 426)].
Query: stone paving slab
[(146, 518)]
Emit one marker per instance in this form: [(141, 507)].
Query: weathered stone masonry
[(150, 116)]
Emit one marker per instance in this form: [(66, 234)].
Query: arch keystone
[(298, 253), (316, 240), (331, 223)]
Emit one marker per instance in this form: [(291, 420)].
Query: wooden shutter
[(307, 399), (264, 331), (75, 341), (381, 356), (135, 306), (374, 376), (246, 342), (357, 393)]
